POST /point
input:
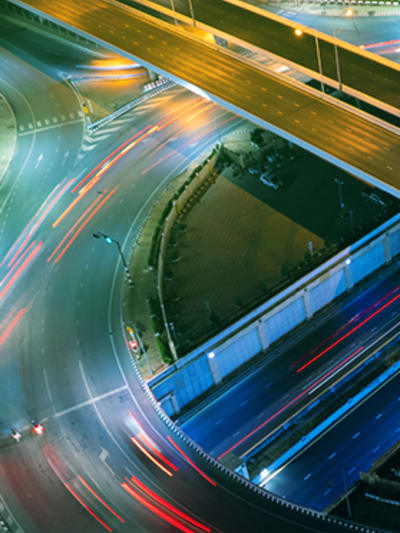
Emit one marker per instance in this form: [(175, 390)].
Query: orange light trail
[(11, 325), (175, 151), (22, 267), (85, 223), (96, 201), (100, 500), (152, 448), (35, 224), (171, 520), (78, 185), (168, 506), (152, 459), (88, 509), (86, 188), (191, 462), (177, 132), (164, 122)]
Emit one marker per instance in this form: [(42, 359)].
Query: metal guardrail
[(8, 524), (94, 126)]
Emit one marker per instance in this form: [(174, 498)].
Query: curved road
[(107, 460)]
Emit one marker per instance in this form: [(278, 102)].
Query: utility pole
[(319, 61), (110, 240)]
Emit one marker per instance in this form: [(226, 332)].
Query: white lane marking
[(351, 470), (307, 477), (93, 399), (356, 435), (332, 455), (243, 403), (45, 128), (103, 458), (378, 416), (376, 449), (218, 421), (46, 381), (327, 491)]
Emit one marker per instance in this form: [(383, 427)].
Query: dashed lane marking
[(91, 401)]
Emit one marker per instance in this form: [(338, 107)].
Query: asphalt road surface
[(358, 72), (355, 144), (107, 459), (255, 406), (333, 463)]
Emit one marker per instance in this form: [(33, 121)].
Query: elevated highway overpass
[(229, 503), (361, 73), (359, 146)]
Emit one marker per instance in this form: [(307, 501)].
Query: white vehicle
[(16, 435)]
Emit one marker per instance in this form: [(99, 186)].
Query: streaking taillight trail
[(305, 392), (14, 321), (343, 337)]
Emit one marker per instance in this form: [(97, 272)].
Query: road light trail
[(343, 337), (167, 505), (12, 325), (34, 224), (88, 509), (21, 269), (152, 459), (91, 206), (191, 462), (293, 401), (168, 518), (89, 488), (91, 215)]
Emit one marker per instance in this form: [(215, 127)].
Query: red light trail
[(75, 495), (100, 500), (343, 337), (11, 325), (282, 409), (191, 462)]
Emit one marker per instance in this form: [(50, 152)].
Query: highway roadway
[(107, 460), (365, 74), (355, 144), (244, 414), (332, 463)]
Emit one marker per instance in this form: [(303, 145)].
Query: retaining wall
[(216, 358)]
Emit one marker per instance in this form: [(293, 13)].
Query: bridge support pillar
[(307, 304), (262, 334), (348, 275), (387, 248), (214, 367)]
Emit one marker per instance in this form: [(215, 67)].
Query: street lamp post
[(173, 9), (339, 75), (110, 240), (319, 61), (299, 32), (192, 12), (340, 184)]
